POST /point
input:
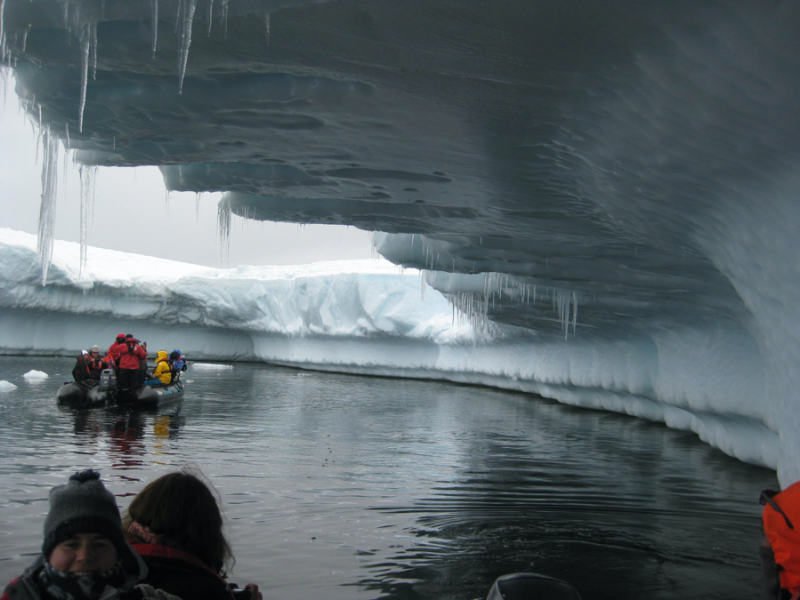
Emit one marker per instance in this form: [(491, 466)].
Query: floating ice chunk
[(35, 375), (211, 366), (6, 386)]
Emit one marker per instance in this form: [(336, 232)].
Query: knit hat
[(83, 505), (95, 349), (84, 353)]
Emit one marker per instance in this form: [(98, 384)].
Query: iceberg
[(368, 317), (601, 201)]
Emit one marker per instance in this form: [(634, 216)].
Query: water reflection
[(340, 486), (123, 432)]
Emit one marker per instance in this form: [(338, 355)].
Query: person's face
[(84, 553), (95, 354)]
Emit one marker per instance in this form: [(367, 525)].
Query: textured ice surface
[(620, 182)]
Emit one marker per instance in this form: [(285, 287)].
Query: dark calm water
[(343, 487)]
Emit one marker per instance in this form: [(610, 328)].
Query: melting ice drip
[(224, 216), (88, 179), (47, 209)]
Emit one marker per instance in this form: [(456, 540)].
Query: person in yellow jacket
[(163, 370)]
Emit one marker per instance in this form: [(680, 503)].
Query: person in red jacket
[(129, 353), (780, 552), (112, 354)]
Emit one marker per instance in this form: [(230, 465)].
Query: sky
[(131, 211)]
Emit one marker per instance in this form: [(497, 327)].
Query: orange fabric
[(785, 542)]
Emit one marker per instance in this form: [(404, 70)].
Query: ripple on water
[(340, 486)]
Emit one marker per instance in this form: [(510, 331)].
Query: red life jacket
[(785, 541)]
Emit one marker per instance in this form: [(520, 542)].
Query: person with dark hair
[(175, 524), (143, 364), (84, 554), (81, 372)]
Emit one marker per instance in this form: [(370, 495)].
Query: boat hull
[(81, 395), (150, 396)]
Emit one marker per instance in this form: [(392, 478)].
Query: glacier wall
[(366, 317)]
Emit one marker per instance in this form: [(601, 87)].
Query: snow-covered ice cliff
[(367, 317)]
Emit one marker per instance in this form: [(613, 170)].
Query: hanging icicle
[(154, 10), (88, 174), (210, 15), (187, 17), (47, 208), (88, 40), (224, 217), (267, 25), (225, 18), (3, 45)]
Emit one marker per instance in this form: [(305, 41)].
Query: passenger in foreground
[(84, 555), (780, 553), (175, 524)]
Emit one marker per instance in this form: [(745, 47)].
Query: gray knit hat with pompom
[(83, 505)]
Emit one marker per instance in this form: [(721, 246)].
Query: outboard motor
[(108, 380), (531, 586)]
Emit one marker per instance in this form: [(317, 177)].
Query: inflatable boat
[(530, 586), (89, 393)]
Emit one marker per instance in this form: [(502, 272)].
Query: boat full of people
[(123, 376)]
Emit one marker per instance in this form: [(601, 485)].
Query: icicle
[(574, 312), (225, 18), (197, 207), (210, 15), (154, 9), (266, 23), (3, 48), (114, 142), (85, 39), (186, 39), (66, 129), (93, 42), (88, 177), (47, 208), (224, 228)]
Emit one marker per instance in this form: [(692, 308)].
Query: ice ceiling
[(576, 145), (633, 161)]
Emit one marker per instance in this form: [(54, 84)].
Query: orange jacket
[(784, 540)]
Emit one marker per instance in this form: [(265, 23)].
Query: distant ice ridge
[(366, 317)]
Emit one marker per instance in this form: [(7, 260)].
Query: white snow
[(204, 366), (6, 386)]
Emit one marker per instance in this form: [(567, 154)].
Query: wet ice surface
[(348, 487)]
